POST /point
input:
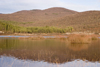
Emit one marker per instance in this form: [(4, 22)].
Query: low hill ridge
[(37, 15)]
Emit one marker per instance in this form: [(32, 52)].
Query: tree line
[(10, 28)]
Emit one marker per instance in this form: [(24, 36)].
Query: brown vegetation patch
[(33, 38), (81, 39)]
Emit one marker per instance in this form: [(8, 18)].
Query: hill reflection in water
[(48, 52)]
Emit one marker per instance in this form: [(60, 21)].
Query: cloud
[(17, 5)]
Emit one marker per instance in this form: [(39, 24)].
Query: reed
[(94, 38), (79, 39), (33, 38)]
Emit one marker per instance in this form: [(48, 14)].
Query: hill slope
[(83, 21), (37, 15)]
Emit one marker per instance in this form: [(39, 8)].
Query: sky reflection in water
[(48, 53), (14, 62)]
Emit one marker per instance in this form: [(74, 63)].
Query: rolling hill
[(58, 17), (37, 15)]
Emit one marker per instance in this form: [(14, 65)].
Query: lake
[(15, 52)]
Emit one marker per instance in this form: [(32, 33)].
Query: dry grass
[(94, 37), (79, 39), (73, 39), (33, 38), (36, 38)]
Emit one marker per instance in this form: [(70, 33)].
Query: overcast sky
[(10, 6)]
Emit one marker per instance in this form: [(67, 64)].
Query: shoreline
[(45, 35), (68, 33)]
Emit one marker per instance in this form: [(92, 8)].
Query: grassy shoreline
[(46, 34), (71, 39)]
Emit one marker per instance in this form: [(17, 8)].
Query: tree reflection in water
[(57, 51)]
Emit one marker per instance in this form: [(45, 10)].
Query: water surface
[(16, 52)]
